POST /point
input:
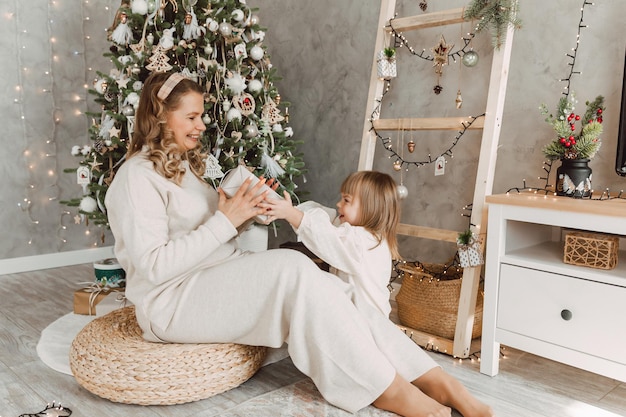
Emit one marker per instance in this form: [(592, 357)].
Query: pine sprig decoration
[(568, 144), (465, 237), (495, 15)]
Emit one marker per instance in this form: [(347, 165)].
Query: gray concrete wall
[(323, 50)]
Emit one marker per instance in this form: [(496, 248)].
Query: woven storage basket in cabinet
[(430, 305), (595, 250)]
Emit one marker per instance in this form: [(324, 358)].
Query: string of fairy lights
[(572, 56), (52, 140), (25, 202), (401, 41), (400, 162), (51, 102), (548, 188)]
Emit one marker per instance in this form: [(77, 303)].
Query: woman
[(174, 237)]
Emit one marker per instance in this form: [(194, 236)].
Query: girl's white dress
[(191, 284), (353, 252)]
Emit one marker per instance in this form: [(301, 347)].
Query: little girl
[(359, 240)]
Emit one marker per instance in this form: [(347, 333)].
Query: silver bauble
[(226, 29), (402, 191), (128, 110), (251, 130), (470, 59)]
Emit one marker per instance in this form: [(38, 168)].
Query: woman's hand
[(245, 204), (282, 209)]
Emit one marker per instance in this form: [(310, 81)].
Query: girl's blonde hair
[(151, 128), (379, 206)]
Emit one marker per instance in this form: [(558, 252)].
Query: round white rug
[(55, 341)]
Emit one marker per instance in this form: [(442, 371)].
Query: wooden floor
[(527, 386)]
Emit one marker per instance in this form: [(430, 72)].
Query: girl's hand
[(245, 204), (282, 209)]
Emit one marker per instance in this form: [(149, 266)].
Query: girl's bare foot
[(446, 390), (407, 400)]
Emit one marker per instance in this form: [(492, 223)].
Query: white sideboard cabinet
[(537, 303)]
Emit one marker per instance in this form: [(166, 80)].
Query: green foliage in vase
[(219, 44), (570, 144)]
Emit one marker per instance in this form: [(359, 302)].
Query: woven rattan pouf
[(110, 358)]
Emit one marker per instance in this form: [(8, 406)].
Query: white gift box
[(470, 254), (233, 180), (470, 257)]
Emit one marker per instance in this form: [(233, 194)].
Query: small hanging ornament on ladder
[(459, 99), (411, 143), (440, 59), (401, 190)]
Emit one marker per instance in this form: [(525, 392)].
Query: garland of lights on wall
[(37, 82), (547, 165)]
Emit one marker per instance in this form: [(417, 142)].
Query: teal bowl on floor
[(109, 273)]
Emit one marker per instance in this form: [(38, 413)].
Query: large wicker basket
[(110, 358), (431, 305)]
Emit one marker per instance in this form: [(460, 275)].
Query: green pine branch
[(495, 15)]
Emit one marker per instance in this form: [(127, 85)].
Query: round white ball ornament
[(402, 191), (257, 53)]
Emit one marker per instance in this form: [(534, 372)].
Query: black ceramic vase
[(574, 178)]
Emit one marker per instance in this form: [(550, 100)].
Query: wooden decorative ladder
[(460, 346)]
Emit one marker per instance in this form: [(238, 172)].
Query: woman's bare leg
[(447, 390), (407, 400)]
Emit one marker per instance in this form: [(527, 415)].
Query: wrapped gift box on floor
[(87, 300)]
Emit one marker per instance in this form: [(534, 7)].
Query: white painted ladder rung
[(427, 232), (428, 20)]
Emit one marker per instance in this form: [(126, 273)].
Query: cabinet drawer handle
[(566, 314)]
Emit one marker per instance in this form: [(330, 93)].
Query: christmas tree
[(217, 43)]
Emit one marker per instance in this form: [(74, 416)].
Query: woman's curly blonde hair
[(151, 129)]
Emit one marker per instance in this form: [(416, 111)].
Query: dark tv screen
[(620, 160)]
